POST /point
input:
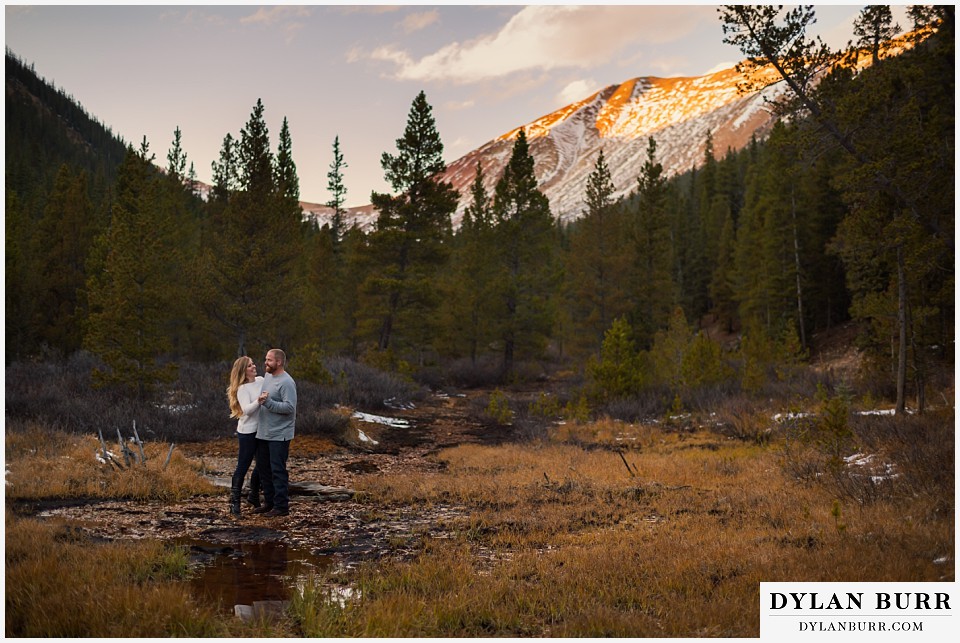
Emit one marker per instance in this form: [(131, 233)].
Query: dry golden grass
[(60, 584), (51, 464), (563, 540), (563, 537)]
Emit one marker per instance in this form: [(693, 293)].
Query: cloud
[(542, 38), (274, 14), (455, 105), (418, 21), (194, 17), (576, 91)]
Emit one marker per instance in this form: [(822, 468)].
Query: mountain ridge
[(678, 112)]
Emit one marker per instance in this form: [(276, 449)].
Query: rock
[(261, 610)]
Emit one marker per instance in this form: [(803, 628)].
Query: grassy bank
[(603, 528), (564, 539)]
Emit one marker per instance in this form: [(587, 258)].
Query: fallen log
[(315, 490)]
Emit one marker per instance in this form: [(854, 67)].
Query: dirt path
[(349, 530)]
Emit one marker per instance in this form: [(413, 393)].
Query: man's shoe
[(273, 513), (263, 509)]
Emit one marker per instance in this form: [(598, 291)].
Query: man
[(278, 415)]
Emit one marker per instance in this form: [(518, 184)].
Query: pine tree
[(254, 158), (898, 245), (617, 373), (469, 283), (285, 170), (325, 323), (226, 178), (18, 294), (899, 211), (721, 291), (177, 158), (330, 282), (700, 249), (130, 301), (597, 276), (338, 193), (61, 244), (765, 259), (654, 290), (248, 279), (408, 244), (874, 28), (178, 204), (669, 351), (528, 271)]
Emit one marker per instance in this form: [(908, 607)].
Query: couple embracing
[(266, 410)]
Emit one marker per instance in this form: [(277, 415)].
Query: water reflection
[(244, 573)]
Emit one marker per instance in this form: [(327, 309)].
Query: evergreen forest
[(718, 279)]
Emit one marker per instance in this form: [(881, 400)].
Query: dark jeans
[(245, 455), (272, 464)]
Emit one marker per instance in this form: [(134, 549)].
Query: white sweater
[(247, 395)]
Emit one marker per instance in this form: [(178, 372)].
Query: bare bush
[(61, 395), (531, 426), (739, 417), (919, 448), (467, 373), (650, 403), (356, 384)]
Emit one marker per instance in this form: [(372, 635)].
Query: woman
[(242, 395)]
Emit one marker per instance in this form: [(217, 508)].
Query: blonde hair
[(238, 377)]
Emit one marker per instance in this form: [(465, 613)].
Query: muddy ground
[(340, 532)]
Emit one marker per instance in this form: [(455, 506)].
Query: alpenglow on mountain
[(678, 113)]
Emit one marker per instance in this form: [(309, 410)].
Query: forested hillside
[(845, 212)]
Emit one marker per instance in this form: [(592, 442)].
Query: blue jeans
[(245, 454), (272, 464)]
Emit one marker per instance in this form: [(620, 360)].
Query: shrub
[(703, 364), (498, 408), (193, 408), (617, 373), (361, 385), (466, 373)]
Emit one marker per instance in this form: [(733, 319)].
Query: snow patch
[(365, 438), (392, 403), (379, 419), (783, 417)]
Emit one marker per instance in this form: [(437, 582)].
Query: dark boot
[(253, 496), (235, 501)]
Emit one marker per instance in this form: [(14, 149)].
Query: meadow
[(656, 528)]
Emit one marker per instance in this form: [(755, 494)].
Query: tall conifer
[(130, 301), (527, 252), (655, 294), (597, 276), (469, 283), (248, 279), (61, 244), (338, 193), (407, 245)]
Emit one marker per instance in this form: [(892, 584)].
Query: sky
[(352, 71)]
